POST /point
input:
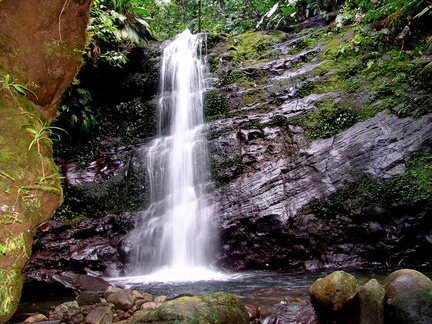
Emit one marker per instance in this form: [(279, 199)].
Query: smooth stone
[(404, 280), (88, 297), (100, 315), (334, 291), (123, 299)]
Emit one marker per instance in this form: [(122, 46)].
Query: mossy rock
[(334, 291), (211, 309), (413, 307)]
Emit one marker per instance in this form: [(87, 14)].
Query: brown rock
[(36, 318), (149, 306), (123, 299), (160, 299), (404, 280), (109, 290), (100, 315)]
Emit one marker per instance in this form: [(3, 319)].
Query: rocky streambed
[(404, 296)]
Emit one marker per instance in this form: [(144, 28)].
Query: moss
[(252, 96), (215, 104), (10, 291), (251, 124), (253, 45), (306, 89), (232, 77), (328, 119)]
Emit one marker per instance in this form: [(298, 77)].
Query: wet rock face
[(88, 245), (267, 173), (259, 208)]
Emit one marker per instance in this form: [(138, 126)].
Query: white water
[(174, 237)]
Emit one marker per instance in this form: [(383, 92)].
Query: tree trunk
[(41, 52)]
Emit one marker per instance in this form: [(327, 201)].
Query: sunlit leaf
[(287, 10)]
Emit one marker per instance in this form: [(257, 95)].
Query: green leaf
[(141, 11), (287, 10)]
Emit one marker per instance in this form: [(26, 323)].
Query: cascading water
[(175, 232)]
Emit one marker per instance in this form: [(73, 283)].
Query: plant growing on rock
[(9, 85)]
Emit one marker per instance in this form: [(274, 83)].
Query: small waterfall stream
[(175, 231)]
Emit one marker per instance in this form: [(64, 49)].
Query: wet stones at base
[(404, 297)]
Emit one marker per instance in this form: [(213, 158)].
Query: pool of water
[(264, 289)]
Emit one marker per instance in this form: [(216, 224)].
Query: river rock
[(80, 282), (404, 280), (109, 290), (160, 299), (67, 310), (123, 299), (334, 291), (371, 299), (149, 306), (36, 318), (99, 315), (88, 297), (297, 312), (413, 307), (210, 309)]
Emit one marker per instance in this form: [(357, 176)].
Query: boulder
[(404, 280), (88, 297), (413, 307), (109, 290), (213, 308), (149, 306), (123, 299), (334, 291), (371, 303), (100, 315), (80, 282), (160, 299)]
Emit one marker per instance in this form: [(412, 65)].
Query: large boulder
[(210, 309), (334, 291), (404, 280), (123, 299), (413, 307)]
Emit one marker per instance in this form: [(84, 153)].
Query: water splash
[(175, 232)]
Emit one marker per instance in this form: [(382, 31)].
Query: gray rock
[(88, 297), (297, 312), (413, 307), (67, 310), (371, 298)]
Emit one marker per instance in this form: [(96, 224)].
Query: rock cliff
[(320, 155)]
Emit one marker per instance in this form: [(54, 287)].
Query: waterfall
[(175, 231)]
